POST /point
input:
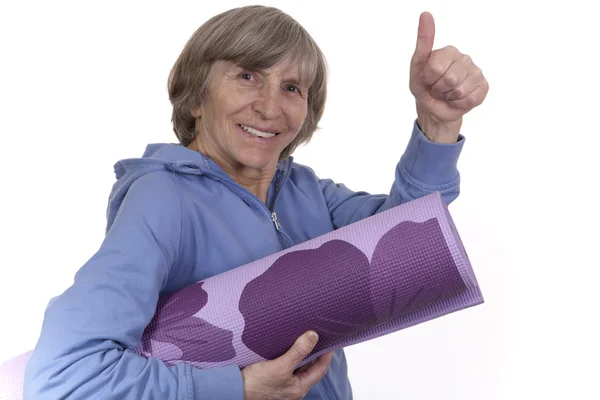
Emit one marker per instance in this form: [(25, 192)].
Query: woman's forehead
[(286, 67)]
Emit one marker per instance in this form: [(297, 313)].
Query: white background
[(83, 84)]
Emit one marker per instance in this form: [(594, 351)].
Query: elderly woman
[(248, 88)]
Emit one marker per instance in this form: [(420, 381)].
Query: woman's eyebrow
[(293, 79)]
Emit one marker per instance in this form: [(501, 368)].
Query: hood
[(157, 156)]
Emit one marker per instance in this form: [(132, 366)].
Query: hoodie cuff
[(218, 383), (429, 163)]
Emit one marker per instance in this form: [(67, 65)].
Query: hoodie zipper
[(275, 221), (287, 240)]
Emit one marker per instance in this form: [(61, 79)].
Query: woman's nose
[(269, 103)]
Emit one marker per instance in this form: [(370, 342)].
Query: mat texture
[(401, 267)]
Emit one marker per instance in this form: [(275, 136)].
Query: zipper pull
[(275, 221)]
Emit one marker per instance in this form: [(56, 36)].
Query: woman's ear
[(196, 112)]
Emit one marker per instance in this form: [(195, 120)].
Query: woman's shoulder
[(304, 175), (301, 171), (145, 194)]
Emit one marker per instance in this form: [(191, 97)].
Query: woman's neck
[(255, 181)]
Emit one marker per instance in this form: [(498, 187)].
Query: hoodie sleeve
[(424, 167), (83, 351)]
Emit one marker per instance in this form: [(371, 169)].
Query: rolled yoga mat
[(387, 272)]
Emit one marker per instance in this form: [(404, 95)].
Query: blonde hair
[(254, 37)]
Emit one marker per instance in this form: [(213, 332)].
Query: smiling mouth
[(257, 133)]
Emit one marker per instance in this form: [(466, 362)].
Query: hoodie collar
[(183, 160)]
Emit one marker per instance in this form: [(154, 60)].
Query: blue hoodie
[(175, 218)]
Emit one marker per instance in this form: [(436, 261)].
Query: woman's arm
[(424, 167), (84, 348)]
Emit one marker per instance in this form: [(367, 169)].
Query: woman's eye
[(292, 88)]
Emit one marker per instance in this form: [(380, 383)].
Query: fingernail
[(312, 337)]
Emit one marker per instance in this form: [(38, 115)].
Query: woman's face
[(247, 118)]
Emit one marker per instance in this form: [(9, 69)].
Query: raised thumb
[(425, 38)]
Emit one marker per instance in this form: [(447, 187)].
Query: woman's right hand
[(275, 379)]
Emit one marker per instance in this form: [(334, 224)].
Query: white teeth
[(257, 132)]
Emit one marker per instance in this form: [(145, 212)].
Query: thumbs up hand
[(446, 85)]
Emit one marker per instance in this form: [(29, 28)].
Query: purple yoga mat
[(387, 272)]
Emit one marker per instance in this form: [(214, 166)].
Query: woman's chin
[(259, 161)]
